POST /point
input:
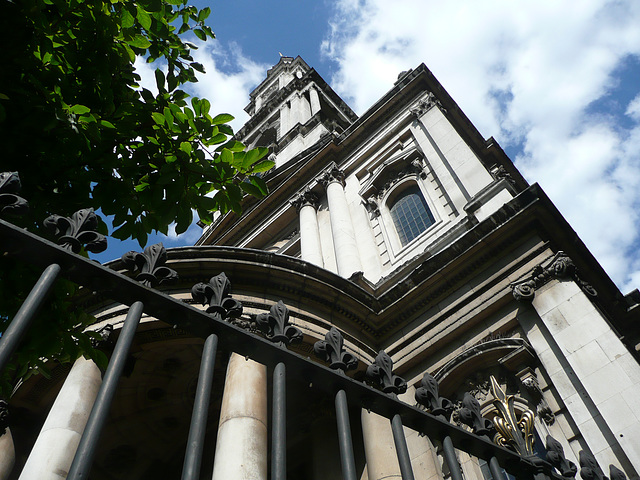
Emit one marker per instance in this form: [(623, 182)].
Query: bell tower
[(291, 110)]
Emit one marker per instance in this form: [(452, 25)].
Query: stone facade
[(410, 233)]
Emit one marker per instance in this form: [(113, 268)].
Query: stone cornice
[(561, 267)]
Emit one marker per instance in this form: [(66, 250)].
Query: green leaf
[(185, 147), (158, 118), (126, 19), (143, 17), (200, 34), (251, 189), (107, 124), (79, 109), (263, 166), (204, 14), (159, 79), (222, 118), (226, 156), (140, 41), (259, 182)]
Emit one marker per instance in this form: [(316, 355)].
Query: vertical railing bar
[(451, 458), (279, 424), (20, 323), (81, 466), (197, 430), (496, 470), (344, 437), (401, 448)]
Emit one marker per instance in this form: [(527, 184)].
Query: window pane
[(410, 214)]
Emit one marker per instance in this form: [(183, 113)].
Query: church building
[(409, 233)]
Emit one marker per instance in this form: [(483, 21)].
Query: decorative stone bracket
[(426, 104), (559, 267)]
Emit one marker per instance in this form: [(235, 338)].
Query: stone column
[(315, 100), (241, 447), (344, 236), (7, 450), (306, 204), (285, 121), (57, 443), (379, 449)]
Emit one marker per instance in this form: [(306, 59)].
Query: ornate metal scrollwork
[(151, 265), (560, 266), (4, 417), (511, 432), (427, 396), (381, 372), (275, 325), (471, 416), (331, 350), (216, 295), (10, 203), (555, 456), (589, 468), (77, 231)]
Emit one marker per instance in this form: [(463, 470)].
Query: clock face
[(299, 74)]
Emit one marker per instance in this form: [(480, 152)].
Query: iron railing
[(56, 260)]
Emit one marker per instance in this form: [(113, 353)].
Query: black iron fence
[(431, 415)]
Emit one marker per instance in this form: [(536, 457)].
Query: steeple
[(292, 109)]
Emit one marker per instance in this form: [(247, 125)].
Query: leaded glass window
[(410, 214)]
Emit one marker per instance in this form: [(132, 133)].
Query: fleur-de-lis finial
[(427, 396), (381, 371), (589, 468), (216, 295), (471, 416), (331, 350), (511, 432), (151, 265), (10, 203), (77, 231), (275, 325), (555, 456), (4, 417)]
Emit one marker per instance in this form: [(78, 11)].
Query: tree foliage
[(81, 132), (79, 129)]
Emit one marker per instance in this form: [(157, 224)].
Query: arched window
[(410, 213)]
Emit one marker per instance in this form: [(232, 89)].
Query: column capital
[(560, 266), (330, 175), (304, 198)]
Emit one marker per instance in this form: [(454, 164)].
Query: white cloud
[(189, 237), (526, 73), (230, 77)]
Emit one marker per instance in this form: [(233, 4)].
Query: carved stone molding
[(532, 387), (426, 104), (304, 198), (331, 175), (559, 267)]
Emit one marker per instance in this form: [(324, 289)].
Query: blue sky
[(556, 82)]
